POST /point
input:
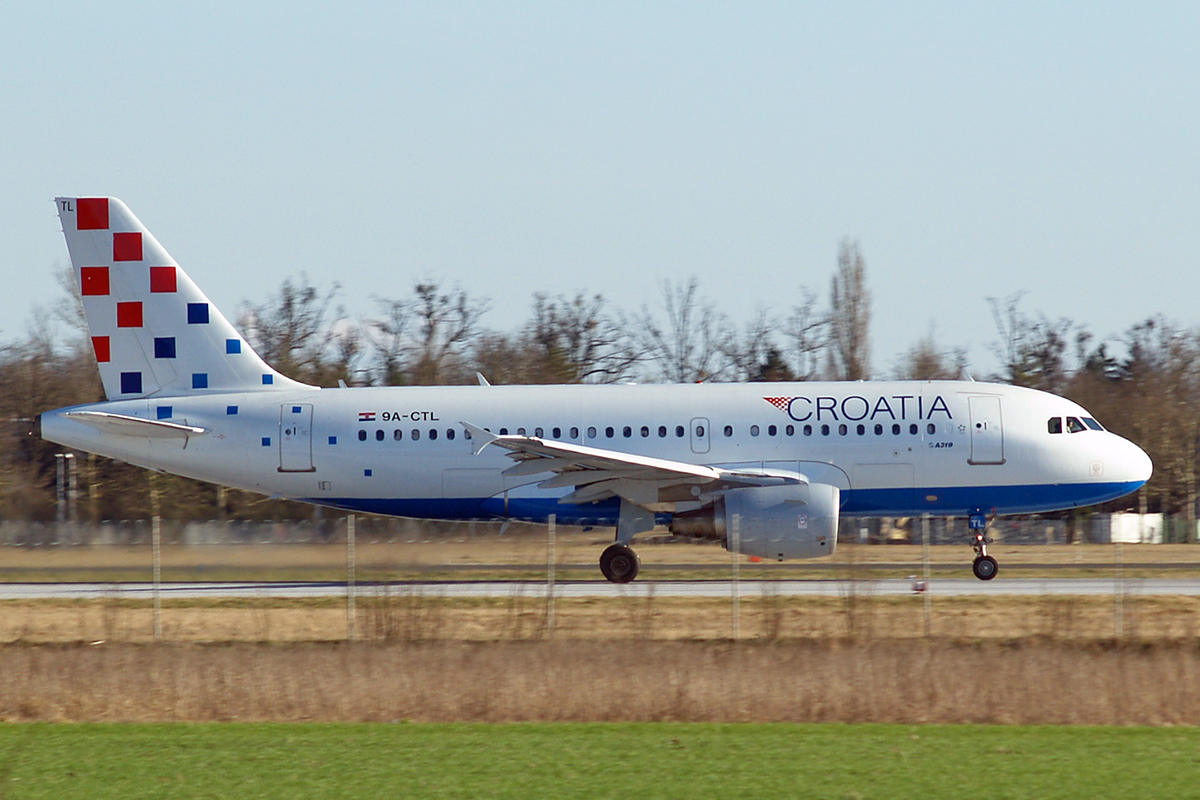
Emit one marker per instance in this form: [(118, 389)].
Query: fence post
[(351, 633), (156, 554), (550, 559), (925, 558), (735, 534)]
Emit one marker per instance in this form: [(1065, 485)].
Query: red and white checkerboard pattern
[(153, 331)]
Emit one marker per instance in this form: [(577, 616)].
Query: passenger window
[(700, 431), (878, 429), (645, 431), (931, 429), (503, 431), (520, 431), (913, 429), (824, 430), (397, 434), (895, 429), (379, 436), (754, 430), (842, 429), (416, 434), (1074, 425), (860, 429), (679, 431), (627, 431), (450, 433), (728, 431), (574, 433), (790, 430), (591, 433), (1054, 425), (808, 430), (772, 430), (362, 436), (556, 433), (609, 432), (432, 434)]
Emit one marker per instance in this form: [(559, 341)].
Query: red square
[(129, 315), (127, 247), (91, 213), (100, 345), (162, 279), (93, 281)]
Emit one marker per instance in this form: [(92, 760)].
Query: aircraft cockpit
[(1073, 424)]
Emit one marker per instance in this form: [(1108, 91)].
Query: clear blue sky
[(974, 150)]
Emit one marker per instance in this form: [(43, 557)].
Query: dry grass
[(405, 614), (1035, 681)]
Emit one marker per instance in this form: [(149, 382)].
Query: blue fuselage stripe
[(942, 501)]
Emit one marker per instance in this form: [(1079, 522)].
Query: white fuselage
[(892, 448)]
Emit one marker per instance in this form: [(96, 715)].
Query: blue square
[(366, 473), (197, 313), (231, 410), (233, 346), (268, 380), (266, 440), (295, 409), (131, 383), (164, 412), (333, 440), (199, 380), (164, 346)]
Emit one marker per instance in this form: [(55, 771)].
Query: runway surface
[(942, 587)]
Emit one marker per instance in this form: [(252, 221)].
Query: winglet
[(479, 437)]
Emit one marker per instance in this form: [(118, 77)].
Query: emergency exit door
[(987, 431), (295, 438)]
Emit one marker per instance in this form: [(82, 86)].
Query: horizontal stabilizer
[(134, 426)]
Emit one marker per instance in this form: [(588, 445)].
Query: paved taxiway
[(944, 587)]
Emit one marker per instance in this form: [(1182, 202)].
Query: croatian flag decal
[(366, 416)]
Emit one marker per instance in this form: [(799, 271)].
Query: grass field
[(594, 761)]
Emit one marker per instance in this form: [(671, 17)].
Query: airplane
[(766, 468)]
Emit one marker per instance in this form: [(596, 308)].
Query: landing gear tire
[(985, 568), (619, 563)]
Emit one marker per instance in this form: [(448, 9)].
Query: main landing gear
[(619, 563), (984, 566)]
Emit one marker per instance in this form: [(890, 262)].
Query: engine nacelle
[(780, 522)]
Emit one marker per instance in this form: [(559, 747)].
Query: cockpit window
[(1074, 425), (1054, 425), (1091, 423)]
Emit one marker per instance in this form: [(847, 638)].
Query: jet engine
[(777, 522)]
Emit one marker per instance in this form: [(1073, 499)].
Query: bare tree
[(421, 339), (299, 334), (925, 361), (807, 331), (689, 346), (1033, 350), (850, 316)]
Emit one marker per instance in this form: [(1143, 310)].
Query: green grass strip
[(564, 761)]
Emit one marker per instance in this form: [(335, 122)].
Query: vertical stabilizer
[(153, 330)]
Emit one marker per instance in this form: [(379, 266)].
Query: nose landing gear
[(984, 566)]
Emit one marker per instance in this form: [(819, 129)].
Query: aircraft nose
[(1135, 463)]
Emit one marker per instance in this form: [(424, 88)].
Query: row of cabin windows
[(1074, 424), (680, 431)]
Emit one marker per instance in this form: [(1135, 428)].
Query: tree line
[(1144, 384)]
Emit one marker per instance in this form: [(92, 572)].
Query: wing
[(598, 474)]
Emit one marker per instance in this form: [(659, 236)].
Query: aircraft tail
[(153, 331)]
